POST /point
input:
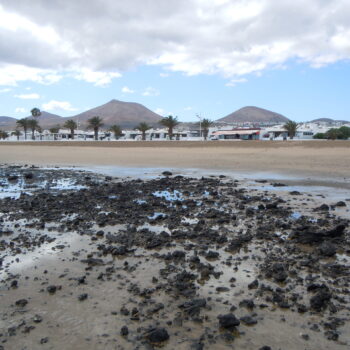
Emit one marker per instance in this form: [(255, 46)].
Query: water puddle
[(157, 216), (11, 189), (169, 196), (296, 215), (140, 201), (158, 229)]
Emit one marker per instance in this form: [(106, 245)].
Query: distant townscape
[(118, 120)]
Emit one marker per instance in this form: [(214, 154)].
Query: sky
[(178, 57)]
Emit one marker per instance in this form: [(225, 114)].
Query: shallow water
[(13, 189), (169, 196)]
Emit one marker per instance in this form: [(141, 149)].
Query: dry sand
[(316, 159)]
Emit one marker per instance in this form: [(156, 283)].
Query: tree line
[(342, 133), (96, 123)]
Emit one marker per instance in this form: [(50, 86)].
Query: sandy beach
[(318, 159)]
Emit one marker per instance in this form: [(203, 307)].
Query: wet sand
[(152, 263), (315, 159)]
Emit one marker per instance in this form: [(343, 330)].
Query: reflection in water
[(169, 196)]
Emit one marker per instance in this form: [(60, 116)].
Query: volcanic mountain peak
[(254, 115), (125, 114)]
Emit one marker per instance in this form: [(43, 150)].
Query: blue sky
[(185, 64)]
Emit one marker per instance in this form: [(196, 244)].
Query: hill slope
[(124, 114), (7, 123), (48, 120), (253, 115), (328, 120)]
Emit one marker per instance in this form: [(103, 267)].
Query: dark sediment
[(185, 253)]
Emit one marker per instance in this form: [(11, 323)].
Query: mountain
[(253, 115), (328, 120), (124, 114), (7, 123), (48, 120)]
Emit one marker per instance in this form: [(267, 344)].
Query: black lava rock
[(21, 302), (51, 289), (249, 320), (83, 297), (320, 300), (327, 249), (228, 321), (253, 285), (157, 335), (124, 331)]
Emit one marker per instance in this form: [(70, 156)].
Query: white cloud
[(159, 111), (164, 75), (189, 108), (126, 90), (150, 91), (11, 74), (33, 96), (226, 37), (97, 78), (58, 106), (234, 82), (5, 90), (20, 110)]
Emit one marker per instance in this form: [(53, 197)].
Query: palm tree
[(95, 123), (291, 127), (116, 130), (33, 125), (55, 130), (206, 124), (143, 127), (40, 131), (169, 122), (17, 133), (3, 135), (23, 123), (71, 125), (35, 112)]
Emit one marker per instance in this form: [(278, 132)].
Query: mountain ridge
[(329, 120), (253, 114)]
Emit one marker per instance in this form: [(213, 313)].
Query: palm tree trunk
[(96, 133), (170, 133), (25, 133), (33, 136), (205, 134), (143, 135), (72, 133)]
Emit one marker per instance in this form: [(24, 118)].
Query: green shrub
[(319, 136)]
